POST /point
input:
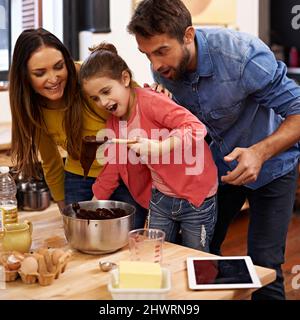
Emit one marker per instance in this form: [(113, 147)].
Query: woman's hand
[(61, 205), (159, 88)]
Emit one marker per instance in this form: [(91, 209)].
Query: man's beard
[(183, 65)]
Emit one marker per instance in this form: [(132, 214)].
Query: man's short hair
[(154, 17)]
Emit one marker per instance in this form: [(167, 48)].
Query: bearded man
[(232, 82)]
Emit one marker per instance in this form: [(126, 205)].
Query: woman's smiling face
[(48, 73)]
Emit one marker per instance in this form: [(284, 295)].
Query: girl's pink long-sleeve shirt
[(187, 180)]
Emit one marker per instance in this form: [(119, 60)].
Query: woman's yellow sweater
[(52, 162)]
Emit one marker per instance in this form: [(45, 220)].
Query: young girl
[(183, 191), (49, 110)]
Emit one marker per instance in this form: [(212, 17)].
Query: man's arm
[(265, 80), (251, 159)]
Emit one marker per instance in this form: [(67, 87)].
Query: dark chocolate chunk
[(99, 213)]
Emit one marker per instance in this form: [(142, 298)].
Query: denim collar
[(204, 62)]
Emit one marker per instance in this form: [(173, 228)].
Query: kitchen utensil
[(146, 244), (89, 148), (33, 195), (107, 265), (98, 236), (122, 141)]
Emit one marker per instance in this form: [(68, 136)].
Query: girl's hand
[(145, 147), (159, 88)]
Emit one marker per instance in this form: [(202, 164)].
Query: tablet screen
[(221, 273)]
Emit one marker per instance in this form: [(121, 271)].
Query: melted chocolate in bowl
[(89, 148), (98, 214)]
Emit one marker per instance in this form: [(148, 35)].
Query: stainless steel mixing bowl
[(98, 236)]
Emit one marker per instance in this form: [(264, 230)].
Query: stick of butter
[(137, 274)]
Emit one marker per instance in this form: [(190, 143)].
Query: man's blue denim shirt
[(242, 95)]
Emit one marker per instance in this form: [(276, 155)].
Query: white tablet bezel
[(192, 279)]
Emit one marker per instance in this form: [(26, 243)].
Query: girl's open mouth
[(113, 107)]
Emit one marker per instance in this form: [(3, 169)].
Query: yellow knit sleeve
[(53, 166)]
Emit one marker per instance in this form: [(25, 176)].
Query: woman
[(49, 110)]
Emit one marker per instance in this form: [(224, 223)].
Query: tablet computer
[(221, 273)]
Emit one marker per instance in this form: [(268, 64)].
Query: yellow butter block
[(137, 274)]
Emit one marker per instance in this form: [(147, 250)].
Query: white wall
[(16, 26), (247, 16), (53, 17), (247, 20), (5, 115), (120, 14), (253, 16)]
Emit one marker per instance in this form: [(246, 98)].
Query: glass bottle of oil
[(8, 200)]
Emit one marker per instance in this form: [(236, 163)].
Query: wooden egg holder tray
[(48, 267)]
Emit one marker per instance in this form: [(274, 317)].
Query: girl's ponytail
[(103, 61), (104, 46)]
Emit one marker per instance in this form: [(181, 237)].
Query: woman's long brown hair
[(26, 105)]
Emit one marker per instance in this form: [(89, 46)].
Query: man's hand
[(251, 159), (159, 88), (248, 168)]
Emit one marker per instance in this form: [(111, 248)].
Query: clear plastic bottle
[(8, 200)]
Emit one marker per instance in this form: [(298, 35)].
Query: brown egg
[(56, 254), (29, 265), (18, 255), (13, 263)]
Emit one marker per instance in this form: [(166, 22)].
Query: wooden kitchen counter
[(5, 159), (84, 280)]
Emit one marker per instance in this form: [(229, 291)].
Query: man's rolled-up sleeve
[(265, 79)]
